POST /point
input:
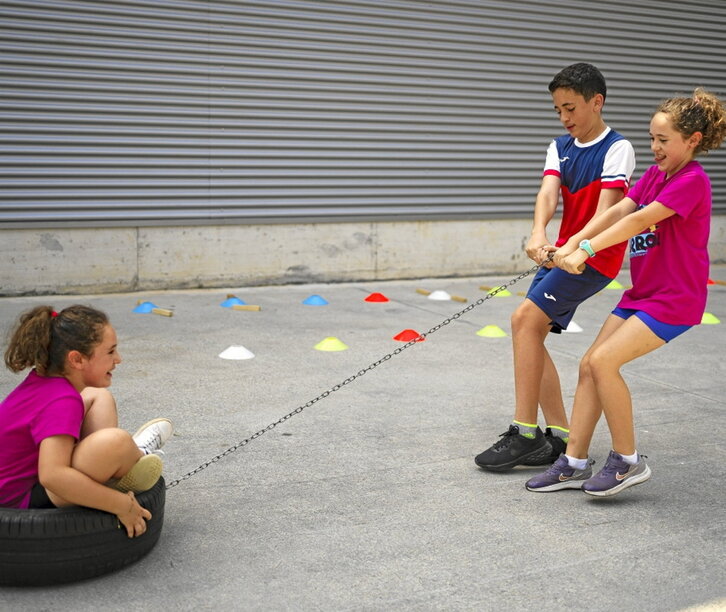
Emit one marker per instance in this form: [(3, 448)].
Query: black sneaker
[(514, 449), (558, 445)]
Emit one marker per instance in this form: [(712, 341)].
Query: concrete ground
[(369, 499)]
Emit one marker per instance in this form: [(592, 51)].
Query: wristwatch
[(585, 246)]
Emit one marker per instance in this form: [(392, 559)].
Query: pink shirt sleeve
[(61, 416), (684, 194)]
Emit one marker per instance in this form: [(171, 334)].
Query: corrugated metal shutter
[(174, 111)]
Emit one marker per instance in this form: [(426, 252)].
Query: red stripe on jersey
[(579, 208)]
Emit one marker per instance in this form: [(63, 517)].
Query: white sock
[(574, 462), (631, 459)]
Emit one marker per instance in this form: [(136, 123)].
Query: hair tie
[(53, 314)]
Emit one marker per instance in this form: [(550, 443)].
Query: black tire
[(43, 547)]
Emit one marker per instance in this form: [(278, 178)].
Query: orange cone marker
[(376, 297), (407, 335)]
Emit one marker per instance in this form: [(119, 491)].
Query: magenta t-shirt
[(38, 408), (669, 262)]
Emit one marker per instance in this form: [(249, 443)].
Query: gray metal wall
[(191, 112)]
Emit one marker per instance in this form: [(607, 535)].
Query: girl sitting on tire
[(60, 444)]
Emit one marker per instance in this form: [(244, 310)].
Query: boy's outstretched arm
[(544, 209), (608, 198)]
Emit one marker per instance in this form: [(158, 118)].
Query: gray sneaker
[(560, 476), (616, 475)]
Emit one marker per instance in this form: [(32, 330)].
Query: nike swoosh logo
[(619, 476), (550, 297), (563, 477), (563, 159)]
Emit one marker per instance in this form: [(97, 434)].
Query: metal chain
[(350, 379)]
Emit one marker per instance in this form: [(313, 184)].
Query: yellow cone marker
[(491, 331), (614, 285), (709, 319), (331, 344), (490, 290)]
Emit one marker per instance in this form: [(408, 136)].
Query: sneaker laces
[(505, 438), (609, 467), (555, 469), (152, 441)]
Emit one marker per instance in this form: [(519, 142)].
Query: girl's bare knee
[(600, 366), (97, 395), (117, 438), (585, 372), (105, 453), (111, 442)]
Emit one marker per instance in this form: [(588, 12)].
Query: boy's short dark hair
[(582, 78)]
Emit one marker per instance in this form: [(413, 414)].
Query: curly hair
[(43, 338), (702, 112)]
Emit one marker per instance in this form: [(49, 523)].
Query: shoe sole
[(502, 467), (558, 486), (548, 460), (630, 482), (142, 476)]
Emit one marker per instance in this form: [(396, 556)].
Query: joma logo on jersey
[(640, 244)]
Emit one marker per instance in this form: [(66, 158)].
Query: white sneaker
[(153, 435)]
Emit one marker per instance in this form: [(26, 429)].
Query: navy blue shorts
[(559, 293), (665, 331)]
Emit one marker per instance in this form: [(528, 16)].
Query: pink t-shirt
[(38, 408), (669, 262)]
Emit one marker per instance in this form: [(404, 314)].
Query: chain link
[(350, 379)]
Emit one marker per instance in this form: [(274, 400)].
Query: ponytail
[(703, 112), (43, 338)]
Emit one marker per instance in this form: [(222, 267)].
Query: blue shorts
[(664, 331), (559, 293)]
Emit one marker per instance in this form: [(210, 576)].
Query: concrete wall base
[(103, 260)]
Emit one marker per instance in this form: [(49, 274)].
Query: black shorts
[(39, 497), (558, 293)]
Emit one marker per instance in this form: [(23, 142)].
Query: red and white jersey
[(584, 171)]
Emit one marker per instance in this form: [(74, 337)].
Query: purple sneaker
[(616, 475), (560, 476)]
